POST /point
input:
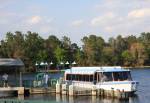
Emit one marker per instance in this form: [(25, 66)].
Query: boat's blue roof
[(91, 70)]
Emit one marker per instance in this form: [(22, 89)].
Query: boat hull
[(125, 86)]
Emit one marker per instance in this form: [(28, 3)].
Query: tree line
[(31, 48)]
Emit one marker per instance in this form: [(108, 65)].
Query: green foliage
[(32, 48), (92, 47), (60, 54), (127, 57)]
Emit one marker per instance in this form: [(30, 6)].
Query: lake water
[(143, 93)]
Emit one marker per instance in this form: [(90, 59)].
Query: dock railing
[(39, 83)]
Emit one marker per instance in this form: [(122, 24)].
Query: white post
[(94, 91), (71, 90), (64, 89), (58, 88)]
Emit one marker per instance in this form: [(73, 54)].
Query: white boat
[(106, 78)]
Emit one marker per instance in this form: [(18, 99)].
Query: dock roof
[(11, 62)]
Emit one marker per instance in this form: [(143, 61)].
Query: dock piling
[(94, 91), (58, 88), (64, 89), (71, 90)]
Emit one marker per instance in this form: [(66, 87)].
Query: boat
[(106, 78)]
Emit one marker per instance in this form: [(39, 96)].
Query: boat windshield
[(113, 76), (122, 76)]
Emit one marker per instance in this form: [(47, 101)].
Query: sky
[(75, 18)]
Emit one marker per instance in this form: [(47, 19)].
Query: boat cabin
[(97, 74)]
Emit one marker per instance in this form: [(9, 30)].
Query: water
[(143, 76), (143, 93)]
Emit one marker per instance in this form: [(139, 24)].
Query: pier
[(63, 89), (11, 91)]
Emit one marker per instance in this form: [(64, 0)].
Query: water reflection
[(94, 99), (20, 97), (71, 99), (58, 98), (81, 99)]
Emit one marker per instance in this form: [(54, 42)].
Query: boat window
[(85, 78), (68, 76), (106, 76), (122, 76), (101, 77), (73, 77), (91, 78), (78, 77), (95, 76)]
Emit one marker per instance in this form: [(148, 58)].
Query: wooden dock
[(64, 89), (42, 90), (11, 91)]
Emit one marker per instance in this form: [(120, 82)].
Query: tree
[(32, 48), (66, 43), (138, 53), (108, 57), (60, 54), (50, 46), (80, 57), (68, 47), (19, 45), (33, 45), (145, 39), (127, 58), (12, 46), (92, 48), (42, 55)]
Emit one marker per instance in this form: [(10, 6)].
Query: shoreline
[(137, 67)]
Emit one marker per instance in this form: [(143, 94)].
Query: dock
[(63, 89), (42, 90), (11, 91), (17, 91)]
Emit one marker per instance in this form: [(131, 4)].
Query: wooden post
[(71, 90), (102, 92), (64, 89), (93, 91), (20, 90), (112, 92), (20, 80), (58, 88), (118, 94), (123, 95)]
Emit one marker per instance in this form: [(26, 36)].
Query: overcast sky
[(75, 18)]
